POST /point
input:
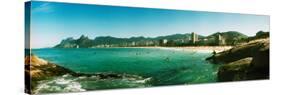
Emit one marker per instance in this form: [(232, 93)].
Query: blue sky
[(51, 22)]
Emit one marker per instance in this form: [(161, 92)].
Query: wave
[(60, 84), (143, 81), (69, 83)]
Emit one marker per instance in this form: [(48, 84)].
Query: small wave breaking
[(60, 84), (69, 83)]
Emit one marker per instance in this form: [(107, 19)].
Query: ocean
[(149, 67)]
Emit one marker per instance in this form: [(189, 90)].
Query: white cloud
[(45, 7)]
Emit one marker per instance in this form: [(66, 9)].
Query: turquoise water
[(155, 66)]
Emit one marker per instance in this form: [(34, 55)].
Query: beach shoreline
[(185, 48)]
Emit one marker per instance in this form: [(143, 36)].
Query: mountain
[(171, 40), (82, 42), (230, 37), (108, 41), (174, 36), (260, 35)]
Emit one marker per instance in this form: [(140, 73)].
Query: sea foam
[(61, 84)]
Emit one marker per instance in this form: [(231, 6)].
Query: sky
[(52, 22)]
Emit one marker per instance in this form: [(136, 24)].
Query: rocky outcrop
[(235, 70), (37, 69), (247, 61)]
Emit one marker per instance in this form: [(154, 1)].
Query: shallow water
[(153, 66)]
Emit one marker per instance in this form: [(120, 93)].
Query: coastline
[(185, 48), (209, 48)]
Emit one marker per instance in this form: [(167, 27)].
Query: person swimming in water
[(167, 59)]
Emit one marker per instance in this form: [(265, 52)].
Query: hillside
[(82, 42), (231, 38)]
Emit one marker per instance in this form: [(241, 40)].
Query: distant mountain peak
[(83, 37)]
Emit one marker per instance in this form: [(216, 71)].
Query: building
[(220, 40), (163, 42), (194, 37), (133, 44)]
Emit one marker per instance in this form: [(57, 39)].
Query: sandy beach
[(188, 48), (209, 48)]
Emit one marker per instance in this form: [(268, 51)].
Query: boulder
[(248, 61), (37, 69), (259, 68), (235, 70)]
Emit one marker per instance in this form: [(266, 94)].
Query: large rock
[(259, 68), (235, 70), (37, 69), (248, 61)]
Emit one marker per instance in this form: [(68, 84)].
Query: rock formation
[(37, 69), (246, 61)]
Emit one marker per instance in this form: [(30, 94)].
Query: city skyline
[(51, 22)]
